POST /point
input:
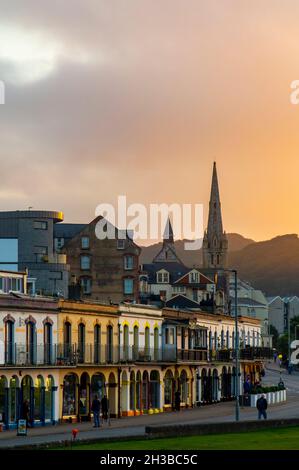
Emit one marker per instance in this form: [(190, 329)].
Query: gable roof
[(181, 301), (176, 270), (202, 279)]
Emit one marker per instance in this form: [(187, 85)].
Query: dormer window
[(163, 277), (194, 277)]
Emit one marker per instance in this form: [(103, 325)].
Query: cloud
[(139, 97)]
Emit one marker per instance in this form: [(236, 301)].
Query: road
[(135, 426)]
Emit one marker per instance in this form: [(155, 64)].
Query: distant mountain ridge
[(270, 265), (192, 257)]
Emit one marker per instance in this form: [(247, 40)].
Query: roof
[(181, 301), (57, 216), (271, 299), (67, 230), (249, 302), (176, 271)]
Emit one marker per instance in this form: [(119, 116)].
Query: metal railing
[(16, 354)]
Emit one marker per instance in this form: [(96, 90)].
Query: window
[(1, 284), (128, 286), (162, 277), (84, 243), (194, 277), (128, 262), (59, 243), (40, 225), (85, 262), (86, 285), (194, 295), (120, 244), (16, 284), (41, 253), (169, 336)]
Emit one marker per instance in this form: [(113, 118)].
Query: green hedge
[(273, 388)]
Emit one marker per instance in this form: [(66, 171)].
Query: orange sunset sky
[(139, 98)]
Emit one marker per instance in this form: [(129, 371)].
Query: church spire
[(215, 217), (215, 240), (168, 232)]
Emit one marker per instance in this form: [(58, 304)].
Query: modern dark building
[(27, 242)]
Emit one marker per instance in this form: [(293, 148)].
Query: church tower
[(215, 243)]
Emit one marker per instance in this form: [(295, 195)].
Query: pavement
[(126, 428)]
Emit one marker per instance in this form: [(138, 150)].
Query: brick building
[(104, 270)]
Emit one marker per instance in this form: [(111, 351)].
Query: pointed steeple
[(215, 217), (167, 252), (215, 240), (168, 232)]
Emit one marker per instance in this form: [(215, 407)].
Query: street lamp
[(237, 381)]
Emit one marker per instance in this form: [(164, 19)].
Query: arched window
[(109, 343), (9, 342), (31, 342), (48, 343), (227, 339), (136, 342), (222, 339), (156, 344), (97, 344), (126, 342), (67, 341), (147, 340), (81, 343), (215, 340)]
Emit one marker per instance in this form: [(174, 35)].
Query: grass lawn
[(270, 439)]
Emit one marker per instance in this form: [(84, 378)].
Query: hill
[(192, 257), (272, 265)]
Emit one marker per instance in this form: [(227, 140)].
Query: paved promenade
[(135, 426)]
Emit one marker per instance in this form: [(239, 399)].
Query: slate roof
[(67, 230), (248, 301), (176, 270)]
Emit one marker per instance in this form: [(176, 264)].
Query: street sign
[(22, 427)]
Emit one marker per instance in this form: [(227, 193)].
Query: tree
[(294, 323), (283, 344), (275, 335)]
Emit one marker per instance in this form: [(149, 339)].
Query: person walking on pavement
[(177, 400), (25, 413), (105, 407), (95, 408), (262, 405)]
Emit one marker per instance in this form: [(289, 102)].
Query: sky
[(139, 97)]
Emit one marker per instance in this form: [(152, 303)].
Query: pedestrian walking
[(25, 413), (105, 407), (262, 405), (95, 408), (275, 356), (177, 400)]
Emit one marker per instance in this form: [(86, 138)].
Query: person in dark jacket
[(262, 405), (95, 408), (25, 412), (177, 400), (105, 407)]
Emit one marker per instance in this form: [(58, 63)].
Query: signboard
[(22, 427)]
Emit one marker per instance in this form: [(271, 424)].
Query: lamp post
[(236, 346), (237, 380)]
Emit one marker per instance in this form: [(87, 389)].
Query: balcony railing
[(75, 354), (248, 353)]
